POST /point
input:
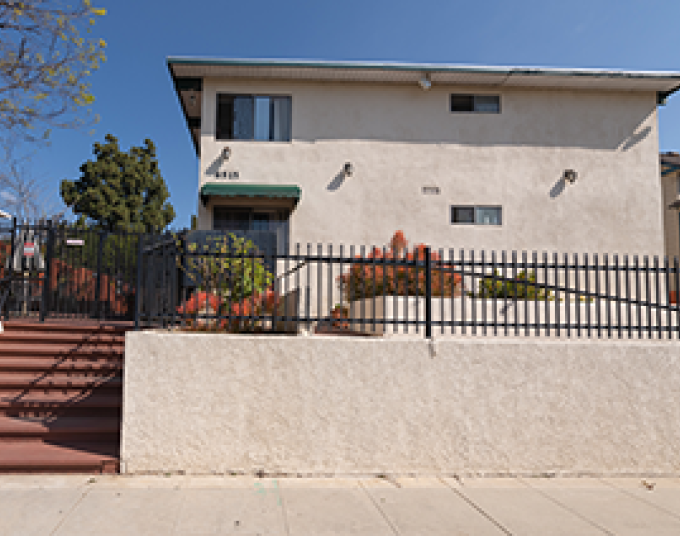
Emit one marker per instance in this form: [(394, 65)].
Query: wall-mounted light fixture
[(425, 83), (192, 99), (570, 176), (348, 169), (226, 153)]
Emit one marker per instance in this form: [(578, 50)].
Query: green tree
[(120, 190), (45, 64)]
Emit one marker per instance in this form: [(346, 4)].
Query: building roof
[(187, 74)]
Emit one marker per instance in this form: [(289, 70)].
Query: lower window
[(476, 215), (250, 220)]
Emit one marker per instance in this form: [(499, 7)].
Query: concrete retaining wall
[(205, 403)]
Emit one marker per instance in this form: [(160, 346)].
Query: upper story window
[(253, 117), (490, 104)]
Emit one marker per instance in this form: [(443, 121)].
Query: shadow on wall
[(337, 181), (635, 138), (557, 188), (214, 166)]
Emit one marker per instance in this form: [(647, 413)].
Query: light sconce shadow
[(337, 181), (557, 188)]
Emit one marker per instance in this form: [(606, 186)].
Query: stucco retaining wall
[(204, 403)]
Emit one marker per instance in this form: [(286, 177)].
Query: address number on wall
[(227, 175)]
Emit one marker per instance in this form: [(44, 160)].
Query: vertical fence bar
[(451, 268), (589, 294), (617, 280), (308, 283), (567, 296), (537, 312), (667, 282), (515, 287), (505, 285), (608, 301), (395, 290), (441, 290), (483, 281), (556, 280), (385, 290), (362, 279), (319, 282), (638, 296), (473, 300), (331, 301), (374, 284), (629, 309), (342, 282), (494, 293), (138, 289), (47, 281), (546, 302), (351, 290), (527, 303), (428, 293), (463, 315), (657, 283), (648, 298), (657, 292), (676, 272), (98, 278), (578, 297), (598, 304)]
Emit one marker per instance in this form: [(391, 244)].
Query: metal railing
[(368, 291)]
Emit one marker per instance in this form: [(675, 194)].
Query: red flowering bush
[(392, 275), (234, 316)]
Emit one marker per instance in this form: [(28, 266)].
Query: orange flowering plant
[(395, 273)]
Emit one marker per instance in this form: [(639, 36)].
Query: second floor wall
[(401, 140)]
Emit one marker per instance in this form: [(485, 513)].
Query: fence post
[(138, 283), (97, 289), (47, 282), (428, 293)]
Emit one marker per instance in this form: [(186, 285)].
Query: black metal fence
[(239, 282), (59, 270), (368, 291)]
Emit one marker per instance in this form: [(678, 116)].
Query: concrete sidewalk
[(139, 505)]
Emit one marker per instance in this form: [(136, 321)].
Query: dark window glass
[(225, 117), (477, 215), (475, 103), (462, 214), (248, 117), (462, 103), (244, 219)]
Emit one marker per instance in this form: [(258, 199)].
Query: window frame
[(474, 100), (476, 209), (253, 97), (282, 213)]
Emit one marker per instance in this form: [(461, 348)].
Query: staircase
[(60, 397)]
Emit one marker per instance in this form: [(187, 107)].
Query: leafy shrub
[(228, 266), (524, 288), (367, 280), (232, 281)]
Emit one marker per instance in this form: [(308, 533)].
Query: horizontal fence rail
[(232, 285)]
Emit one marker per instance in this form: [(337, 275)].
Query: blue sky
[(135, 98)]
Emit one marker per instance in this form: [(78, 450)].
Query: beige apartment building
[(483, 158)]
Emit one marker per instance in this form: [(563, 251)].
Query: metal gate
[(60, 270)]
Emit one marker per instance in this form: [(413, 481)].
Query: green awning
[(271, 191)]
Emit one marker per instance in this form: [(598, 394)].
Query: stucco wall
[(400, 138), (201, 403)]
